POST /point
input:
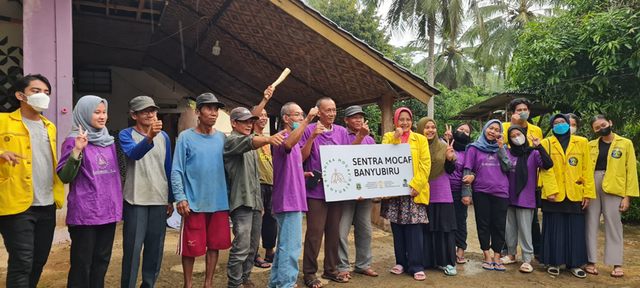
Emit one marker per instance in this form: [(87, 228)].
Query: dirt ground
[(469, 275)]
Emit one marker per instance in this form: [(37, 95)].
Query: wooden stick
[(282, 77)]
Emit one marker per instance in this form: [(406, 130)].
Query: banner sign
[(369, 171)]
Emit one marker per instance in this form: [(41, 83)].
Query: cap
[(353, 110), (242, 114), (140, 103), (208, 98)]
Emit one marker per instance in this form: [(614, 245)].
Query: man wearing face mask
[(519, 110), (32, 190)]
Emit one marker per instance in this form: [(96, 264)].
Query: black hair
[(515, 102), (598, 117), (574, 117), (22, 83)]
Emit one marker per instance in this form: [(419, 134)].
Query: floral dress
[(402, 210)]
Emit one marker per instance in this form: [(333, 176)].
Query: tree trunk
[(431, 29)]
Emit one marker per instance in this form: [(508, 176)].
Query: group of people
[(264, 184)]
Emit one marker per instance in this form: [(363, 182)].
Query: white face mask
[(518, 140), (573, 130), (39, 102)]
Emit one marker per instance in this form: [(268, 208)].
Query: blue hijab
[(485, 145)]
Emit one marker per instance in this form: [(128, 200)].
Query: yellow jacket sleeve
[(587, 174), (632, 173), (548, 179), (421, 169)]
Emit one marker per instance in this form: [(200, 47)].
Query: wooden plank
[(117, 7), (139, 14), (106, 6)]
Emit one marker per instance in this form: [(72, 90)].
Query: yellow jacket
[(621, 178), (421, 160), (533, 129), (16, 186), (572, 170)]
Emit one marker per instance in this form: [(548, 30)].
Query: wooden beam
[(386, 107), (106, 6), (140, 6), (117, 7), (356, 49)]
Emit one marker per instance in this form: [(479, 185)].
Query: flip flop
[(461, 260), (338, 278), (398, 269), (487, 268), (499, 267), (368, 272), (313, 283), (591, 270), (617, 273)]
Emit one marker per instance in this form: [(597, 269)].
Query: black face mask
[(461, 137), (604, 131)]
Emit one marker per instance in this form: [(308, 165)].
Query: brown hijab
[(437, 149)]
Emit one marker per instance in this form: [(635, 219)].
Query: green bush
[(633, 214)]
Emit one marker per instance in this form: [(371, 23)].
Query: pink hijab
[(404, 138)]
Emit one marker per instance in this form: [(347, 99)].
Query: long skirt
[(563, 240), (439, 236)]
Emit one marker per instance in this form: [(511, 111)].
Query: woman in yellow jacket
[(564, 200), (613, 164), (407, 213)]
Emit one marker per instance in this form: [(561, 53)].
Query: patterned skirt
[(402, 210)]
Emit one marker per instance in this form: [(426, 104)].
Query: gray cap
[(242, 114), (208, 98), (140, 103), (353, 110)]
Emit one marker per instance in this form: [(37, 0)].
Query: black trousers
[(90, 254), (491, 220), (461, 220), (269, 223), (27, 238), (535, 227)]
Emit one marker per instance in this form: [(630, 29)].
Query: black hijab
[(522, 152), (461, 139), (565, 138)]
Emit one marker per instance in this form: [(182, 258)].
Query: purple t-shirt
[(289, 191), (440, 190), (455, 179), (95, 196), (338, 136), (489, 177), (366, 141), (527, 197)]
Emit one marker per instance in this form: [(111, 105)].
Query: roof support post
[(386, 108)]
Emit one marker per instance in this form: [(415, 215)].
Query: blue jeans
[(284, 272)]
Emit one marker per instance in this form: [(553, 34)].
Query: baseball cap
[(353, 110), (242, 114), (140, 103), (208, 98)]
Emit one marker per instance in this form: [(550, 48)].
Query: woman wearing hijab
[(574, 121), (89, 164), (408, 213), (439, 234), (486, 166), (564, 200), (462, 137), (523, 178), (613, 165)]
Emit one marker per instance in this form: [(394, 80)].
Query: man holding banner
[(326, 215), (357, 212)]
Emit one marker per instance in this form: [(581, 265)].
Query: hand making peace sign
[(450, 152), (81, 139), (448, 135), (534, 140)]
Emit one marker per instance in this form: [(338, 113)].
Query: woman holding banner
[(439, 234), (407, 213), (486, 166)]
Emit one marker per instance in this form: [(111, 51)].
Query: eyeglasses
[(297, 115), (148, 111)]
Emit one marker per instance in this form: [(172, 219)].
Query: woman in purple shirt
[(462, 137), (486, 166), (90, 165), (523, 178), (439, 233)]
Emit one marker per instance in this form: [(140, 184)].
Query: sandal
[(369, 272), (499, 267), (315, 283), (461, 260), (490, 267), (346, 274), (553, 270), (526, 268), (419, 276), (450, 270), (617, 272), (578, 273), (268, 258), (591, 270), (398, 269), (506, 260), (260, 264), (338, 278)]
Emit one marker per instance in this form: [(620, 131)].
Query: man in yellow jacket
[(30, 190), (520, 109)]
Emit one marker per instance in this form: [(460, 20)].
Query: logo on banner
[(336, 175)]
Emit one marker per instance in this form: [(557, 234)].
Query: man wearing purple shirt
[(289, 196), (356, 212), (326, 215)]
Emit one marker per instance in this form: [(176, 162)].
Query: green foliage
[(584, 60), (633, 213)]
